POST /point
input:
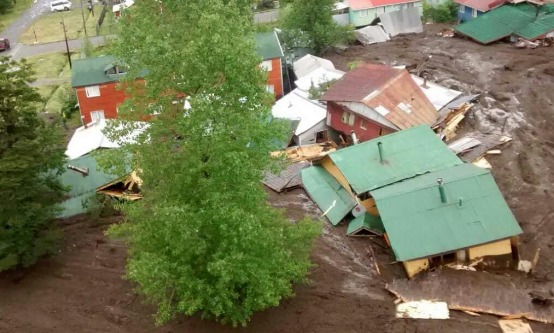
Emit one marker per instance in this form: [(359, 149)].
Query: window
[(97, 115), (348, 118), (474, 12), (92, 91), (266, 65), (405, 107), (364, 13), (270, 88), (362, 124), (462, 9)]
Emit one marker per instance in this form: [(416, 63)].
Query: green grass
[(47, 91), (14, 13), (48, 66), (49, 29), (109, 26), (57, 99)]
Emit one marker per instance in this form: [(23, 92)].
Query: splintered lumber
[(423, 310), (287, 179), (475, 145), (447, 124), (307, 153), (479, 292)]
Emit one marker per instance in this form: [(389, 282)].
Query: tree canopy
[(204, 240), (312, 20), (30, 153)]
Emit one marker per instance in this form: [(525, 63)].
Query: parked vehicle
[(59, 6), (4, 44)]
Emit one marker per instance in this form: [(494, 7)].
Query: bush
[(444, 12)]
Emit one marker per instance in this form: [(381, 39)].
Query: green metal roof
[(367, 221), (82, 188), (419, 224), (268, 46), (91, 71), (520, 20), (406, 154), (327, 193)]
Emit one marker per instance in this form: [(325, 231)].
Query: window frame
[(266, 65), (92, 95), (97, 112)]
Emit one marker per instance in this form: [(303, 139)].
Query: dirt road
[(81, 289)]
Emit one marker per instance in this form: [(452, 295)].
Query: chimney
[(424, 84), (82, 171), (354, 137), (380, 147), (441, 190)]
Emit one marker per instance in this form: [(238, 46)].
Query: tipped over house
[(408, 186), (374, 100)]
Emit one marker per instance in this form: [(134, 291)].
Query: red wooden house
[(269, 49), (373, 100)]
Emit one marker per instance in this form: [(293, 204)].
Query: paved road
[(268, 16), (18, 26), (24, 51)]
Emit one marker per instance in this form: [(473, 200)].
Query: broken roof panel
[(406, 154), (286, 179), (91, 137), (365, 222), (317, 77), (309, 63), (439, 96), (519, 19), (333, 200), (419, 224), (297, 106), (371, 34), (404, 21)]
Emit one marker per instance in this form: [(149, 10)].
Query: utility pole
[(66, 44), (83, 16)]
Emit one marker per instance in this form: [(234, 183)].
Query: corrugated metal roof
[(365, 4), (520, 20), (389, 91), (439, 96), (371, 34), (317, 77), (360, 82), (91, 71), (82, 187), (288, 178), (309, 63), (405, 154), (481, 5), (327, 193), (404, 21), (419, 224), (268, 45), (297, 106), (366, 221)]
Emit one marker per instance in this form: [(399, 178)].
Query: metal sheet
[(371, 34), (286, 179), (402, 21)]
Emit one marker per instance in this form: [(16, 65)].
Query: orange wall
[(275, 77), (108, 101)]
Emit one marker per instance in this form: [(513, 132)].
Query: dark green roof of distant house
[(268, 46), (327, 193), (365, 221), (519, 19), (407, 153), (92, 71), (82, 188), (419, 224)]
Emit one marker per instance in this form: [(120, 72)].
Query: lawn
[(48, 66), (14, 13), (109, 26), (48, 27)]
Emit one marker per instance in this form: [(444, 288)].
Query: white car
[(59, 6)]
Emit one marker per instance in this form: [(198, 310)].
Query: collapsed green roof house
[(524, 20)]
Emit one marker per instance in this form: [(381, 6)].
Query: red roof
[(391, 92), (365, 4), (481, 5)]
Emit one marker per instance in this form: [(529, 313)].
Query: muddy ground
[(82, 290)]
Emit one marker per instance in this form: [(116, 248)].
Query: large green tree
[(204, 240), (312, 20), (30, 153)]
